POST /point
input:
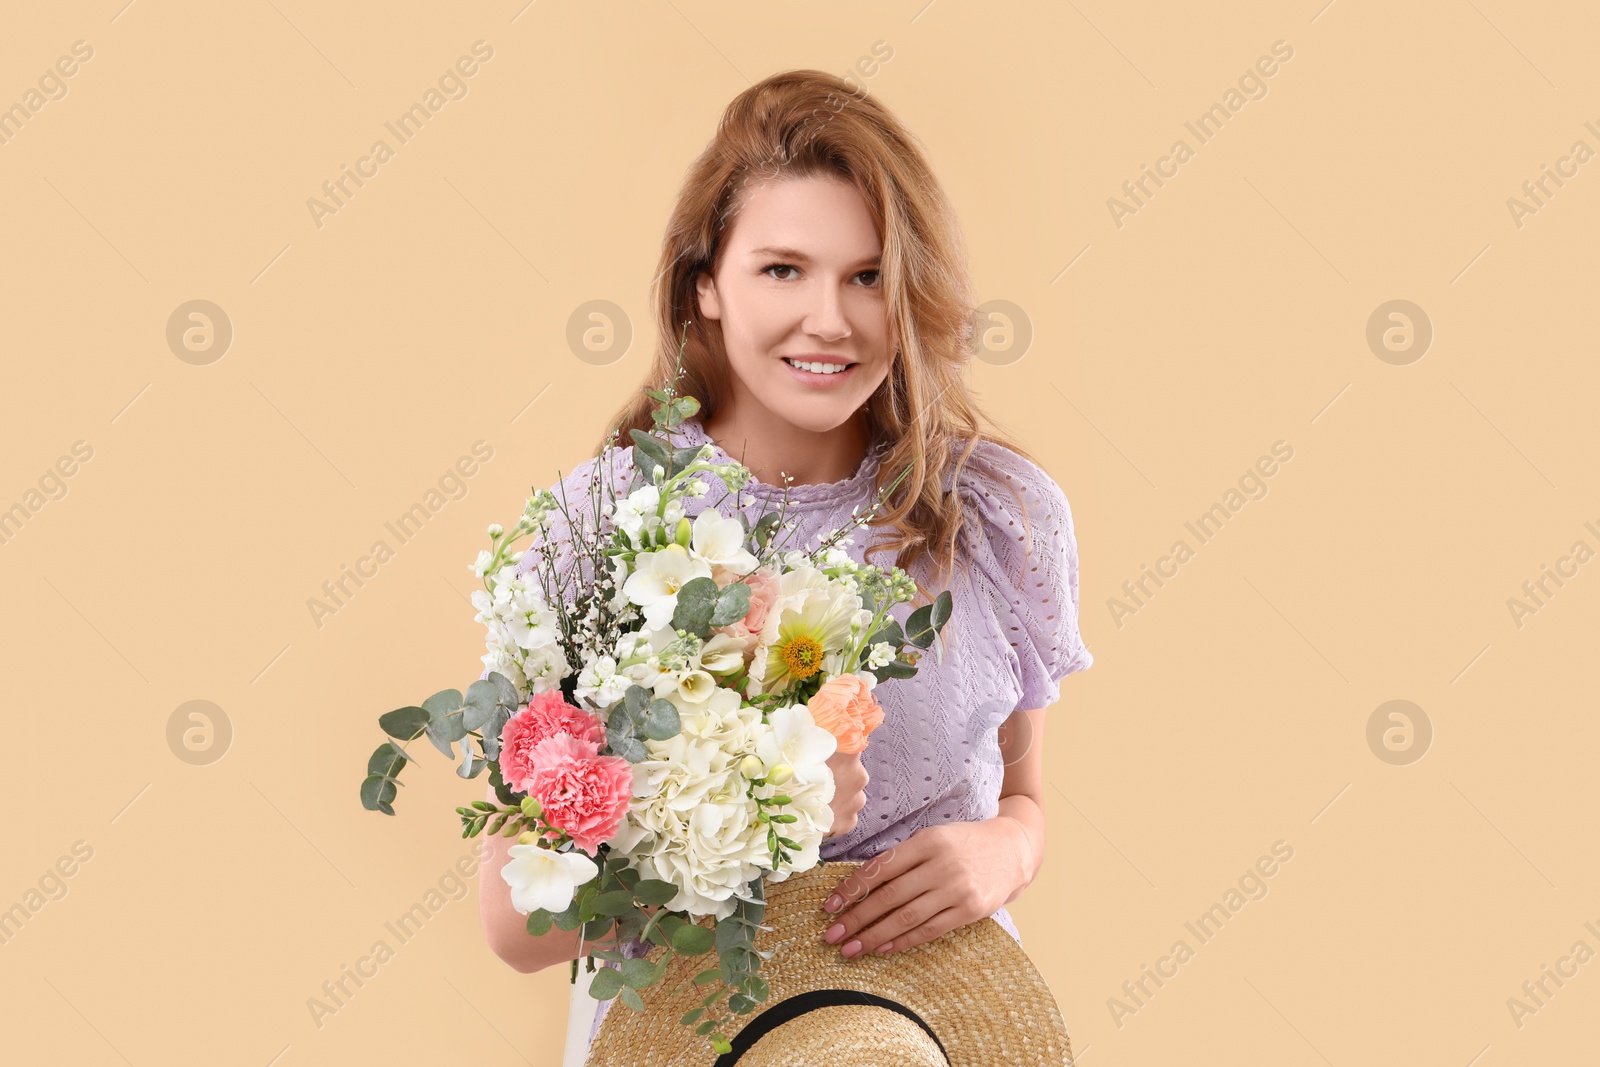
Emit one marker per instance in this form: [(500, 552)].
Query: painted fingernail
[(851, 949), (835, 932), (834, 903), (885, 947)]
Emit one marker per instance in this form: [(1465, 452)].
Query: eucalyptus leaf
[(691, 940), (697, 599), (660, 721), (607, 983), (652, 446), (733, 604), (615, 903), (645, 464), (631, 998), (491, 732), (480, 704), (445, 709), (387, 759), (568, 919), (627, 746), (441, 744), (941, 610), (404, 723), (539, 922), (640, 974), (623, 718), (376, 793), (505, 690), (471, 764), (654, 891)]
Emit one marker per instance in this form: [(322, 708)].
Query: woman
[(830, 323)]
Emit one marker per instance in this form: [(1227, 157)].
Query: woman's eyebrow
[(799, 256)]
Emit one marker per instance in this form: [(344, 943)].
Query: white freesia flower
[(696, 686), (720, 541), (721, 654), (656, 579), (796, 739), (542, 878)]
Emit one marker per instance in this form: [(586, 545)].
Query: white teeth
[(818, 368)]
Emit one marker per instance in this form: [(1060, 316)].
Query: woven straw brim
[(845, 1035), (974, 987)]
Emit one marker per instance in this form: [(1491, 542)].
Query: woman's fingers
[(889, 912), (941, 924), (849, 791)]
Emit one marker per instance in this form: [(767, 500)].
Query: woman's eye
[(778, 266), (873, 273)]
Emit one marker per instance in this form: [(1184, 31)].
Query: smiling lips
[(818, 368)]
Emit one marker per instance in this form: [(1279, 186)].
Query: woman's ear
[(706, 293)]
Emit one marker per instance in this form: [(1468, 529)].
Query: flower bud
[(780, 774), (495, 529), (531, 807), (751, 767), (684, 532), (528, 838)]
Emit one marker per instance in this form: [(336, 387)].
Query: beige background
[(432, 310)]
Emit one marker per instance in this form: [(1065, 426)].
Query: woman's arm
[(1022, 790), (506, 929)]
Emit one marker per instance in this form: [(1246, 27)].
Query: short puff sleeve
[(1022, 543)]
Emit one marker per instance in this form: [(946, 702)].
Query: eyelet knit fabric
[(1011, 637)]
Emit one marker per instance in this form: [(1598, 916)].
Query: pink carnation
[(546, 715), (583, 793)]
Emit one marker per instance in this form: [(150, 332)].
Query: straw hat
[(970, 998)]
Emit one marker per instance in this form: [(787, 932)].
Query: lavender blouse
[(1011, 638)]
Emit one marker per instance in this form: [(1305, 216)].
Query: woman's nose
[(826, 318)]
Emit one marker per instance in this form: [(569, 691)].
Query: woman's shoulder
[(1022, 540), (1011, 496)]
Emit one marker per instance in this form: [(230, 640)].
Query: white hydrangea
[(693, 820)]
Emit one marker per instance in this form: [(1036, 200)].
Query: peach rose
[(764, 590), (844, 707)]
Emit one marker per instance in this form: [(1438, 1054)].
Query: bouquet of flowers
[(657, 716)]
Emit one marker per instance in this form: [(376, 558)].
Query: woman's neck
[(773, 447)]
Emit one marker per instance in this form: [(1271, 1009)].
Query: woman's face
[(798, 281)]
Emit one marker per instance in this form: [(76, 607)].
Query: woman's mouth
[(818, 371)]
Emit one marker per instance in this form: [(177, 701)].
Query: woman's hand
[(849, 791), (942, 878)]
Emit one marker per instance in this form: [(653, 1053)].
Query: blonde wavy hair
[(805, 123)]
